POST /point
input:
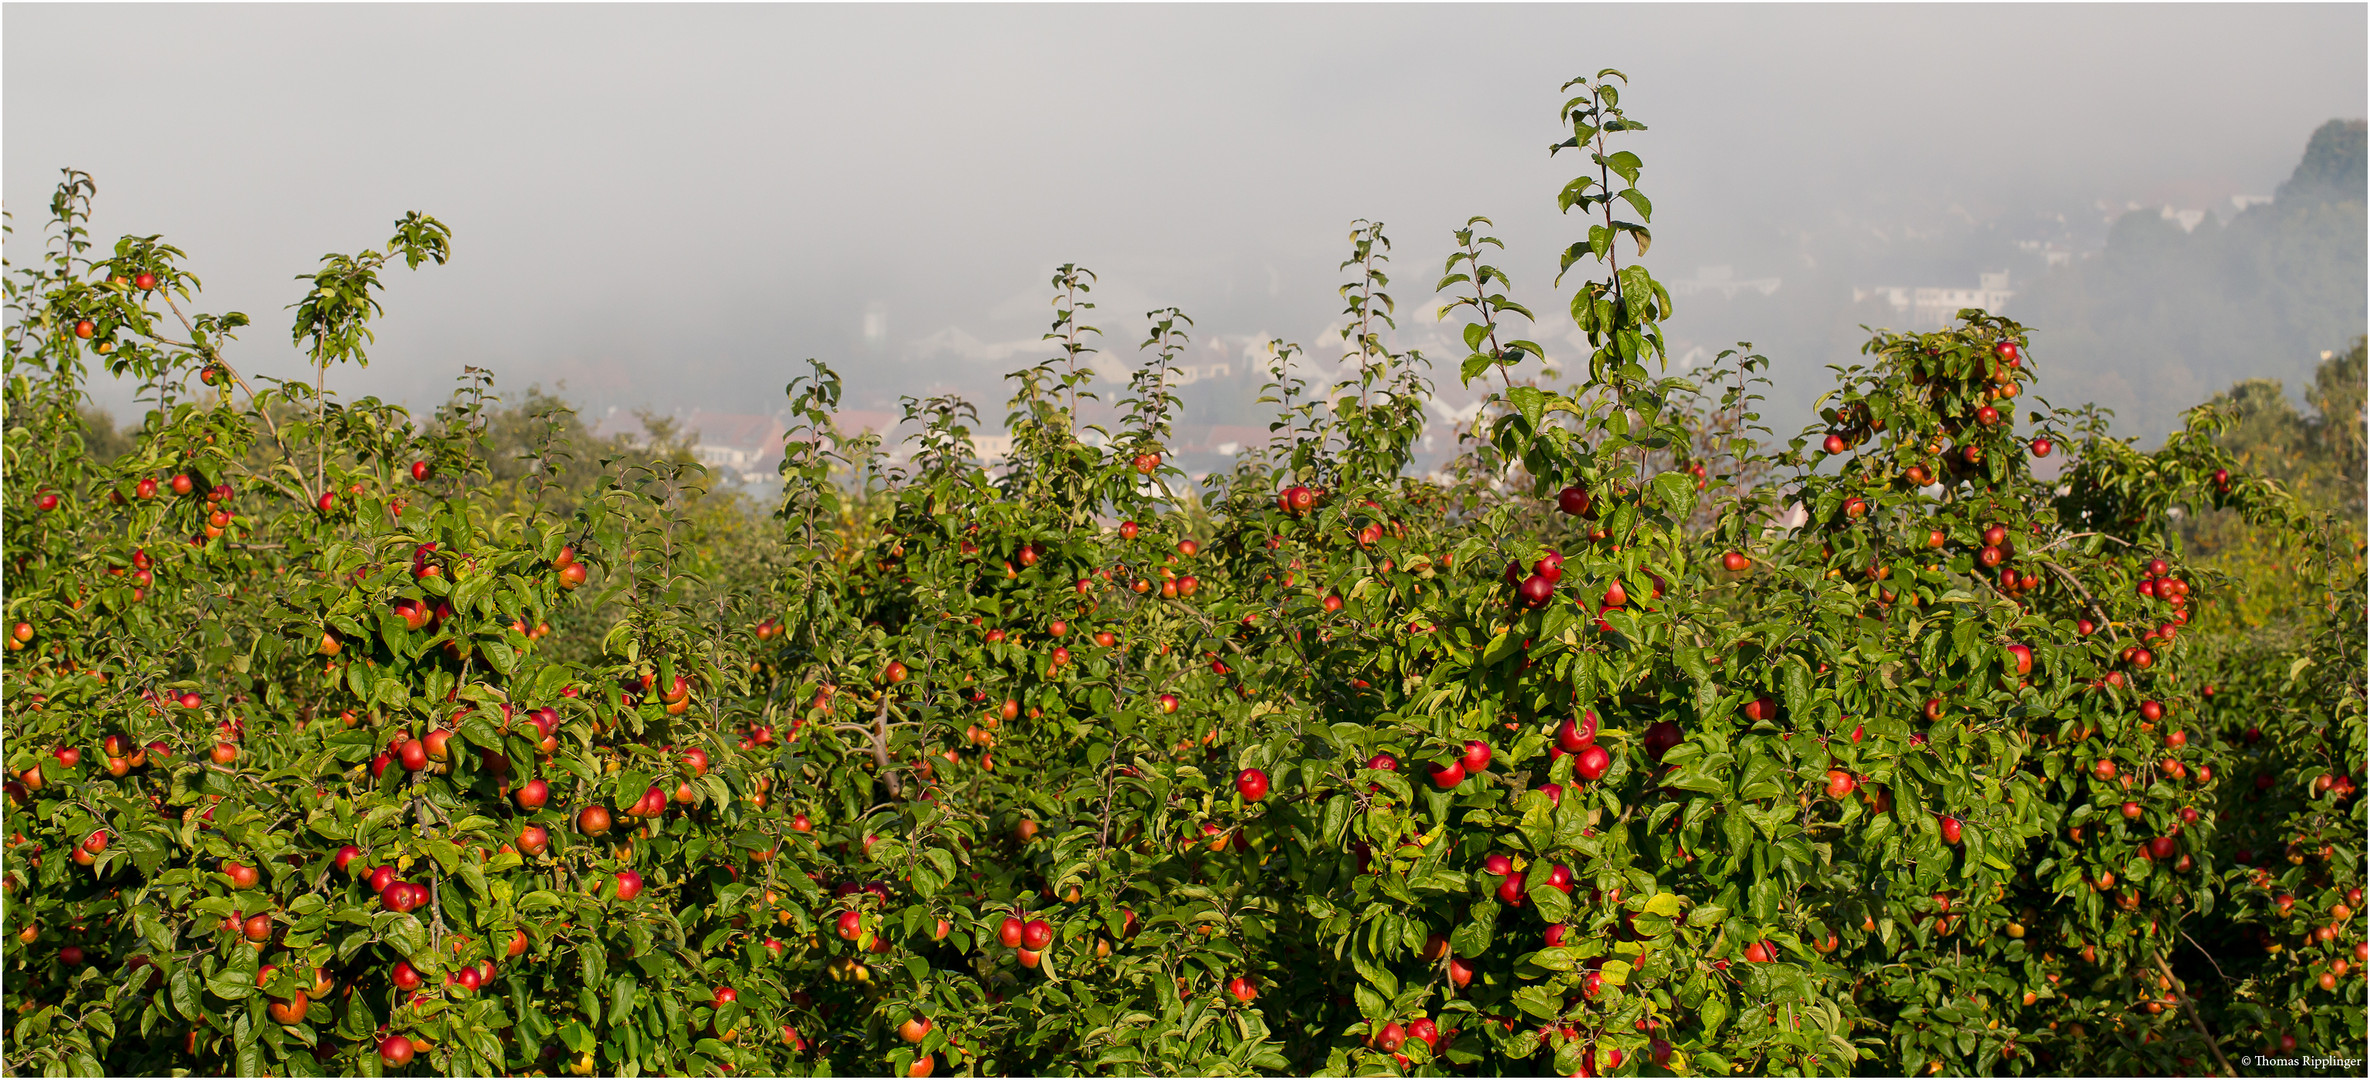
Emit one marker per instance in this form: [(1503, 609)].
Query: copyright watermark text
[(2266, 1061)]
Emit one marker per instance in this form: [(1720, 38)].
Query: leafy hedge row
[(1631, 744)]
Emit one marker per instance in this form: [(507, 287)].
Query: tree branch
[(2191, 1008)]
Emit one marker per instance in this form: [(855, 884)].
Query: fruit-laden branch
[(2087, 599), (2071, 537), (878, 734), (213, 355)]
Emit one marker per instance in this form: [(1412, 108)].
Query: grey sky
[(668, 205)]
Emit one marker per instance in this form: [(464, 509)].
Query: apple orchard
[(345, 741)]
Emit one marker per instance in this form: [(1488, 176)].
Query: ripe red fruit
[(2162, 847), (397, 897), (241, 875), (1010, 931), (1536, 591), (2133, 810), (1950, 830), (396, 1051), (346, 855), (413, 754), (1390, 1038), (405, 976), (1477, 755), (1575, 735), (1572, 501), (1660, 737), (532, 794), (1840, 783), (2023, 657), (1758, 953), (593, 820), (2104, 770), (1615, 595), (1736, 562), (629, 885), (1591, 762), (1460, 971), (380, 878), (1834, 443), (534, 840), (1251, 784), (1448, 775), (2042, 447), (1036, 935)]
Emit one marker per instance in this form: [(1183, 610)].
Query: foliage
[(1633, 746)]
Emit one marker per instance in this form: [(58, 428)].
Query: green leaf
[(1539, 1001), (405, 933), (182, 987), (1530, 401), (1676, 491)]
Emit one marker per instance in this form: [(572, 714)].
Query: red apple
[(1449, 774)]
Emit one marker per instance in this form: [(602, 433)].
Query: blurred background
[(660, 212)]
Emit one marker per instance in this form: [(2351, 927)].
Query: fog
[(672, 206)]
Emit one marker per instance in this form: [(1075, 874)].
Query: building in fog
[(743, 447), (1933, 307), (1722, 280)]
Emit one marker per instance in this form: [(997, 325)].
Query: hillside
[(2163, 317)]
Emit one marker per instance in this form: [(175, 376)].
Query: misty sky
[(670, 206)]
